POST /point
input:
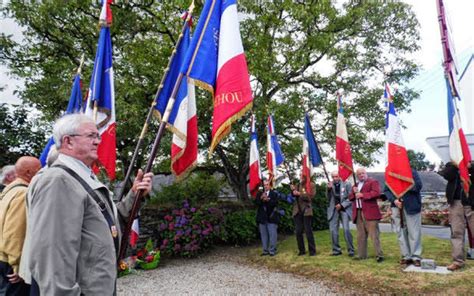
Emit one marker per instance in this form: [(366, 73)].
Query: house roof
[(432, 181)]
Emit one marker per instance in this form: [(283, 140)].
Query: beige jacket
[(12, 222)]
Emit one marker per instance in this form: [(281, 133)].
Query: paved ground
[(218, 273)]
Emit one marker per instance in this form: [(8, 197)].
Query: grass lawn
[(368, 275)]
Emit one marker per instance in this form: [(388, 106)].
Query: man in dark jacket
[(302, 213), (268, 218), (407, 222), (460, 213), (470, 252)]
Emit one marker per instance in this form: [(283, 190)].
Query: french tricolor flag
[(101, 98), (343, 148), (398, 175), (216, 62), (458, 148), (182, 119), (274, 155), (311, 155), (254, 163), (74, 106), (135, 233)]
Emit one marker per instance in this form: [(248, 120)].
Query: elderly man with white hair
[(74, 224), (7, 176)]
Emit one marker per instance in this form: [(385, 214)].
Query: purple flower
[(193, 210), (163, 226), (186, 204), (179, 232)]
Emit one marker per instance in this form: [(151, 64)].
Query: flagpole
[(81, 63), (152, 108)]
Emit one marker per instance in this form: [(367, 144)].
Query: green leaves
[(299, 54)]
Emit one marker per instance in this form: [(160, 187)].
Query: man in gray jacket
[(73, 222), (339, 209)]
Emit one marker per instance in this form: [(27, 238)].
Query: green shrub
[(198, 189), (240, 228)]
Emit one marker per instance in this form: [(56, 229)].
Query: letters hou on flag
[(343, 148), (274, 155), (74, 106), (101, 94), (255, 174), (311, 155), (216, 62), (398, 175), (458, 148)]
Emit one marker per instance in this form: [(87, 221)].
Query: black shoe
[(337, 254), (272, 254), (379, 259), (351, 255), (264, 254), (301, 253), (312, 254)]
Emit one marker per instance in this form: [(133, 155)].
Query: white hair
[(6, 170), (53, 154), (68, 125)]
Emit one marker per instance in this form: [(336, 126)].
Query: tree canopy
[(299, 54)]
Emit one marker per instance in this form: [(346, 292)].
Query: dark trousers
[(303, 223), (7, 288)]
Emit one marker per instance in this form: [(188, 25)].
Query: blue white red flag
[(311, 155), (274, 155), (74, 106), (458, 148), (171, 77), (183, 123), (255, 179), (216, 62), (398, 175), (101, 95), (343, 148), (135, 233)]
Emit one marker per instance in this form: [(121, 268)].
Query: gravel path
[(218, 273)]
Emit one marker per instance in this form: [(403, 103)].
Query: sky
[(428, 117)]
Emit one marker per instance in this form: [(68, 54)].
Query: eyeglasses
[(91, 136)]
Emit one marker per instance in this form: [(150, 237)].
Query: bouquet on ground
[(148, 257)]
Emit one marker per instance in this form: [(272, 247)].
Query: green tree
[(299, 53), (19, 134), (418, 161)]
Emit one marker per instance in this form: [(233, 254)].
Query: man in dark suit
[(366, 213), (268, 218), (339, 211)]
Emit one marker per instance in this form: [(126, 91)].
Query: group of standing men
[(60, 230), (359, 204)]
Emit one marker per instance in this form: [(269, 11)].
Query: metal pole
[(150, 111)]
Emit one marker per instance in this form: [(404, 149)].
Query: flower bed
[(188, 230), (435, 217)]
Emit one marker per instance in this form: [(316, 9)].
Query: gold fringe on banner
[(225, 128)]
